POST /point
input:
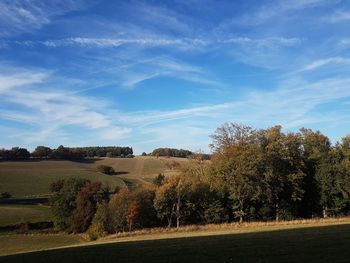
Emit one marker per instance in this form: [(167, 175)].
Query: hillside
[(33, 177), (322, 241)]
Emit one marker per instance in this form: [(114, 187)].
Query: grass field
[(32, 178), (11, 243), (311, 242), (15, 214)]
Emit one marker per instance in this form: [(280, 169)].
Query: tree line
[(172, 152), (66, 153), (253, 175)]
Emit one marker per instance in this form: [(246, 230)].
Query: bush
[(100, 223), (105, 169), (5, 195)]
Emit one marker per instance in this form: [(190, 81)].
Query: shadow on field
[(121, 173), (312, 244)]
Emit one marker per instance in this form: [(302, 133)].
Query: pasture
[(15, 214), (317, 242), (32, 178)]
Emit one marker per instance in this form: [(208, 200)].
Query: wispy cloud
[(278, 9), (23, 16), (327, 61), (48, 111), (338, 16)]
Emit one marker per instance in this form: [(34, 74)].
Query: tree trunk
[(241, 218), (178, 211), (171, 215), (325, 214), (277, 211)]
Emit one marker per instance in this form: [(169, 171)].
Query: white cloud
[(50, 112), (21, 79), (114, 133), (324, 62), (339, 16)]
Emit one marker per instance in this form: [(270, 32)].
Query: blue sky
[(151, 74)]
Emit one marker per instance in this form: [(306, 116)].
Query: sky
[(151, 74)]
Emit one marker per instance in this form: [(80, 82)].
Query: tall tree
[(282, 162)]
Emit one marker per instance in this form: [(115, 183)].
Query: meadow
[(15, 214), (324, 241), (32, 178)]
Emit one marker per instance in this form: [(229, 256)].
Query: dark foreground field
[(311, 244)]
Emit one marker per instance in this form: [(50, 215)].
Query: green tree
[(282, 165), (315, 146), (63, 202), (42, 152), (100, 223)]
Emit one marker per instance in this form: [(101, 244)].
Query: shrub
[(5, 195), (159, 179), (105, 169), (100, 223)]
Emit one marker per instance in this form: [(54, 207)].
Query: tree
[(105, 169), (100, 223), (241, 171), (132, 214), (42, 152), (5, 195), (315, 146), (170, 197), (282, 161), (230, 134), (237, 163), (63, 202), (122, 204), (56, 186), (159, 179), (85, 207)]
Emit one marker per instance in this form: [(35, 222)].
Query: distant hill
[(31, 178)]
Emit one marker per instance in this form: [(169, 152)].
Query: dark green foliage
[(100, 223), (56, 186), (42, 152), (105, 169), (15, 153), (4, 195), (63, 202), (170, 152)]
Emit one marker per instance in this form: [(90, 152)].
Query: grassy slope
[(10, 244), (32, 178), (14, 214), (300, 243)]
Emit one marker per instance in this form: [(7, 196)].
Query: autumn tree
[(85, 207), (63, 202), (131, 214), (170, 197)]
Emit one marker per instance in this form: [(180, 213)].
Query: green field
[(10, 244), (301, 243), (32, 178), (15, 214)]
